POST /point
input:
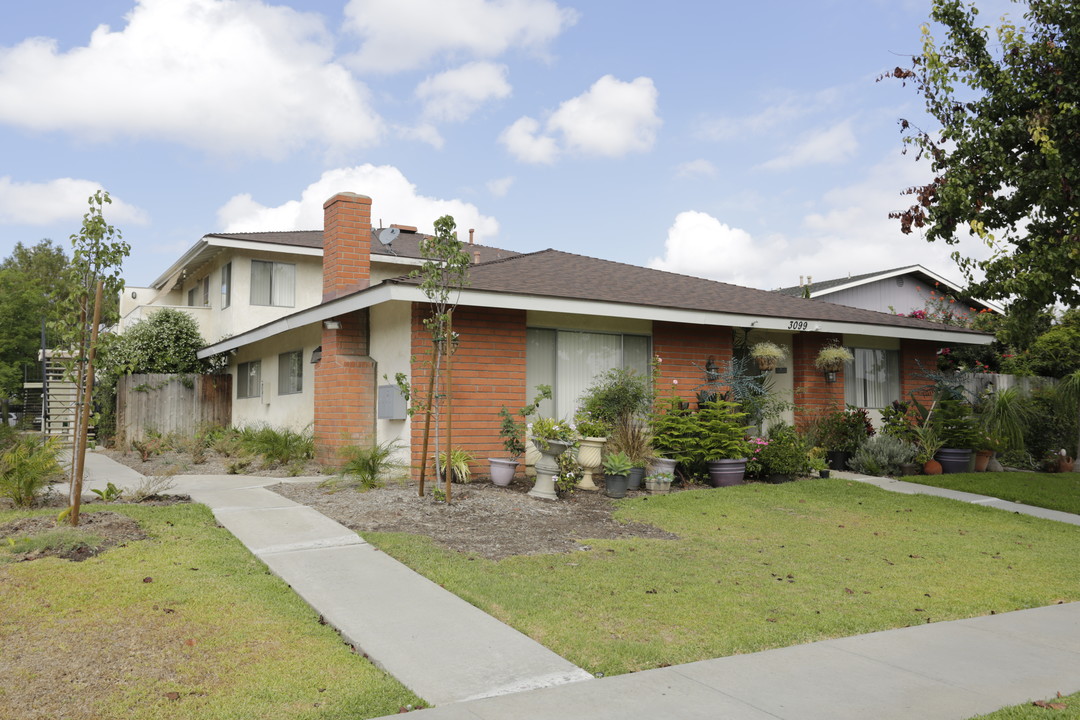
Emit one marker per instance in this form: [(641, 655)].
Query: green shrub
[(366, 467), (278, 447), (785, 453), (844, 430), (617, 393), (883, 455), (27, 467)]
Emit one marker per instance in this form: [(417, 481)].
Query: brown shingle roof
[(552, 273), (406, 245)]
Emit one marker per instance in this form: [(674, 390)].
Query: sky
[(745, 142)]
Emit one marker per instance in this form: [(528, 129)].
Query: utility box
[(391, 403)]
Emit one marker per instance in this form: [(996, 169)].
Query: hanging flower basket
[(767, 355)]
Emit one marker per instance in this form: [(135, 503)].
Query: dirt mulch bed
[(172, 462), (103, 530), (482, 520)]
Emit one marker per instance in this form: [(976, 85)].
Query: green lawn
[(1054, 491), (1030, 711), (763, 566), (211, 634)]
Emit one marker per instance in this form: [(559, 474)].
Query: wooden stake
[(449, 394), (87, 400), (427, 415)]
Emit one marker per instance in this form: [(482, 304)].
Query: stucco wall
[(294, 410), (391, 337)]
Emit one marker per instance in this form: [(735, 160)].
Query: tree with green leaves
[(28, 279), (166, 342), (1006, 154), (442, 276), (98, 250)]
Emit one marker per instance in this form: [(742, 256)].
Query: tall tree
[(1006, 157), (28, 279)]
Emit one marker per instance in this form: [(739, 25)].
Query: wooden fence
[(170, 404), (977, 384)]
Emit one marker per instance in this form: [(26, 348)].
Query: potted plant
[(929, 444), (674, 437), (659, 483), (785, 456), (721, 442), (831, 358), (767, 355), (1001, 417), (955, 426), (552, 438), (512, 432), (458, 463), (631, 436), (593, 431), (841, 432), (816, 458), (616, 468)]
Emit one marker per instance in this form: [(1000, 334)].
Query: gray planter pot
[(727, 472), (953, 460), (633, 480), (615, 486)]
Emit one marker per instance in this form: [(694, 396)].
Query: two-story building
[(318, 324)]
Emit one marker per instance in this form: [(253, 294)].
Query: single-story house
[(318, 324)]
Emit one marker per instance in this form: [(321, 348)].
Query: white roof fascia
[(385, 292), (903, 271), (238, 244)]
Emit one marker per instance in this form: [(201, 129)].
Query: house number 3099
[(797, 325)]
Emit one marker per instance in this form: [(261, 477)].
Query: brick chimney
[(346, 244)]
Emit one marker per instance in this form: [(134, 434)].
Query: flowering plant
[(543, 430), (588, 425), (753, 460)]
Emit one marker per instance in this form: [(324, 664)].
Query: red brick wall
[(683, 350), (345, 389), (488, 372), (813, 394), (917, 357), (346, 244)]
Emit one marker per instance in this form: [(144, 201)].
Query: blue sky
[(745, 142)]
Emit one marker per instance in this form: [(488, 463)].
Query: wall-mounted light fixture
[(316, 354), (830, 376), (331, 324)]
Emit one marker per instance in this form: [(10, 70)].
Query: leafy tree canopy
[(165, 342), (1006, 157), (27, 280)]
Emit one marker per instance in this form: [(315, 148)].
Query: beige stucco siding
[(295, 410)]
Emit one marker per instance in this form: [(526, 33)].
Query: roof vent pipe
[(476, 257), (471, 231)]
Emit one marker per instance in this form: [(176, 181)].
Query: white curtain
[(872, 380), (284, 285), (261, 273)]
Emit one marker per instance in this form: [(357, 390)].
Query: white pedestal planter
[(589, 457), (547, 467)]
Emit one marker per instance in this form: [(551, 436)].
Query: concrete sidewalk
[(436, 644), (473, 667)]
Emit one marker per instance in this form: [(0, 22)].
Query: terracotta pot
[(931, 467), (1065, 464), (982, 459)]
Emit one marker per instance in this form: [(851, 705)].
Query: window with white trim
[(291, 372), (249, 379), (872, 379), (569, 361), (226, 285), (273, 283)]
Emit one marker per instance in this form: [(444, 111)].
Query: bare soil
[(100, 530), (482, 519)]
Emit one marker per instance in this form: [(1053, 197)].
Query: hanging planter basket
[(765, 364)]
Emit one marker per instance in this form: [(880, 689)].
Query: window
[(872, 379), (290, 372), (206, 291), (249, 379), (201, 292), (191, 297), (568, 361), (226, 285), (272, 283)]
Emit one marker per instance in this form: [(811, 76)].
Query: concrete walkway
[(473, 667), (436, 644)]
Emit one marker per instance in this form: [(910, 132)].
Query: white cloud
[(500, 187), (830, 146), (610, 119), (695, 169), (454, 95), (406, 34), (524, 141), (424, 132), (60, 200), (785, 109), (227, 76), (849, 234), (393, 200)]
